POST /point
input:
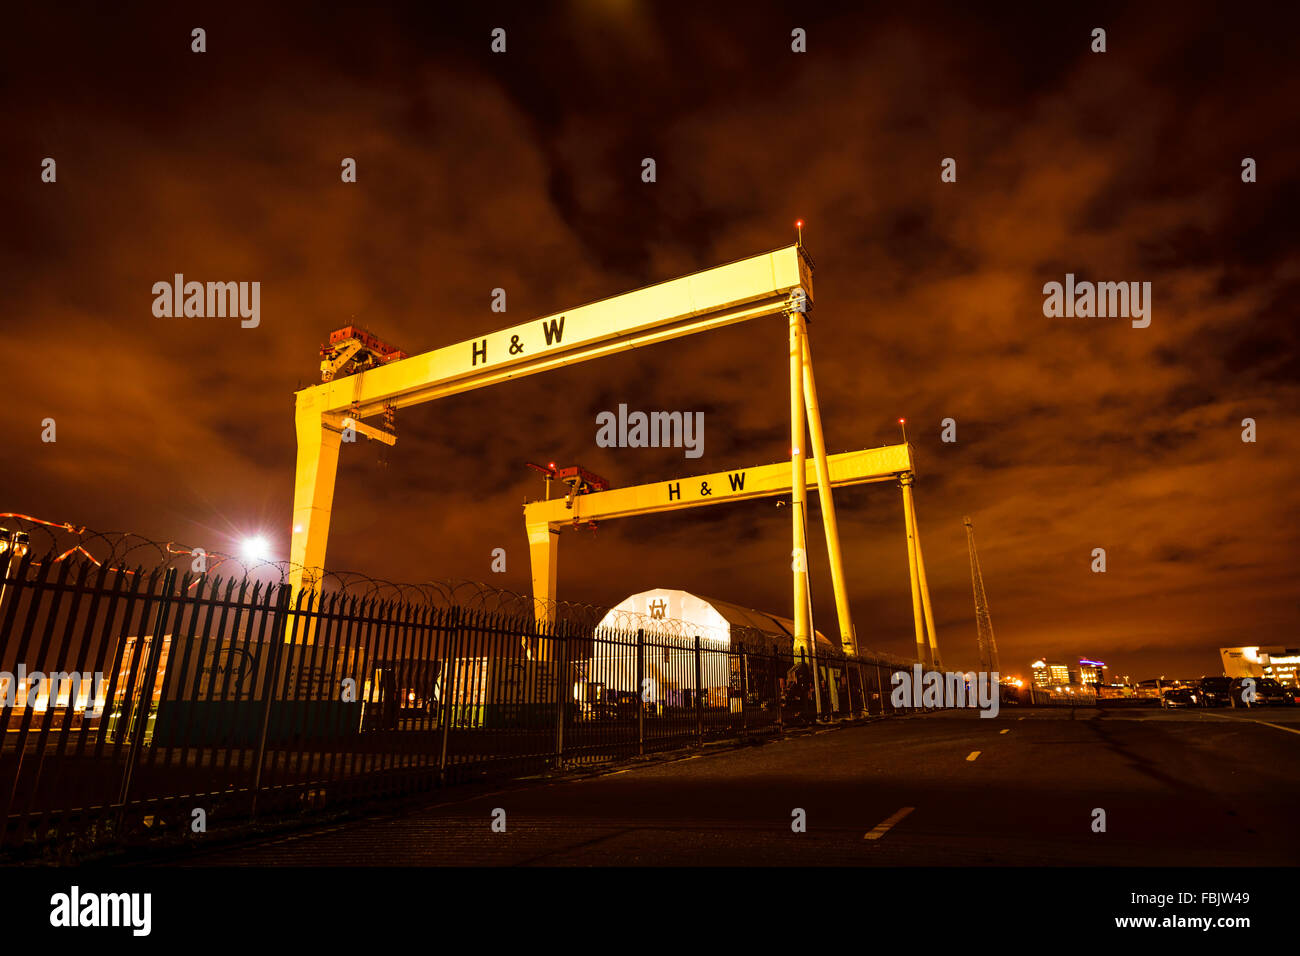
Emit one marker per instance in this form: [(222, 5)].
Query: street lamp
[(255, 548)]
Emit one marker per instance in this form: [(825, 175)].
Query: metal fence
[(141, 701), (1061, 697)]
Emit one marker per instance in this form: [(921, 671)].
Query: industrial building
[(710, 618), (670, 668), (1276, 661)]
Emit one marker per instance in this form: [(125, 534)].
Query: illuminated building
[(1050, 673), (670, 620), (1091, 672), (1277, 662)]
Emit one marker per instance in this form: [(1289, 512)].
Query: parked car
[(1179, 697), (1216, 691), (1270, 693)]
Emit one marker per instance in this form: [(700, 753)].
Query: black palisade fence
[(140, 701)]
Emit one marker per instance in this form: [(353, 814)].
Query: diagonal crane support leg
[(848, 635), (909, 519), (925, 588)]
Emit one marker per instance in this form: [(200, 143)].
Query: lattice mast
[(983, 623)]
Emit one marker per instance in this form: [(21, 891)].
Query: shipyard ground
[(1178, 788)]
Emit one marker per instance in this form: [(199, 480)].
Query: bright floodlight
[(255, 548)]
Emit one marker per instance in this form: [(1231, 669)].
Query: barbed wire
[(129, 553)]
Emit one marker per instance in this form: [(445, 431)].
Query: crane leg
[(544, 555), (913, 573), (313, 499), (848, 637), (799, 491), (925, 589)]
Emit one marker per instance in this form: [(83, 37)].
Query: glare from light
[(256, 548)]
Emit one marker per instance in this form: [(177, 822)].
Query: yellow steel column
[(906, 482), (925, 589), (799, 492), (313, 496), (544, 554), (848, 637)]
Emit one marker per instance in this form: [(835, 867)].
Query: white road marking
[(973, 754), (1007, 731), (884, 826), (1247, 720)]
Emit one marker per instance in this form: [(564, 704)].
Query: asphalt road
[(1177, 788)]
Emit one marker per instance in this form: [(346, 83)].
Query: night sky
[(522, 171)]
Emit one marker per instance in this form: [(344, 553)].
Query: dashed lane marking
[(884, 826), (973, 754)]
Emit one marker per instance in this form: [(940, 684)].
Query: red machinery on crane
[(353, 349), (579, 479)]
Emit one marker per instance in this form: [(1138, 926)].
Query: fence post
[(277, 640), (561, 657), (780, 686), (640, 691), (848, 684), (146, 689), (812, 688), (448, 686), (699, 693), (744, 691)]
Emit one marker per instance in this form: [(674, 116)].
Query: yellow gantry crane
[(777, 282), (544, 520)]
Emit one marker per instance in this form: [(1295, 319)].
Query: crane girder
[(848, 468)]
